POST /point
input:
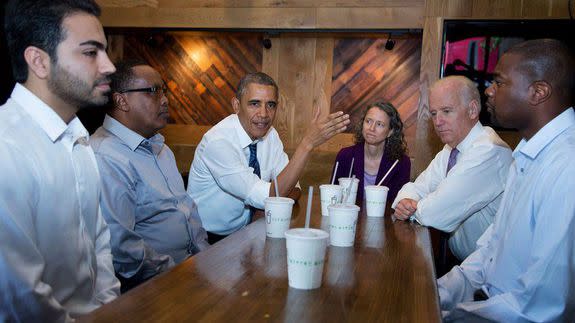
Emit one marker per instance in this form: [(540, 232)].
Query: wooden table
[(387, 276)]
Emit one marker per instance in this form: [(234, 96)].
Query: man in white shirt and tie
[(236, 160), (460, 190)]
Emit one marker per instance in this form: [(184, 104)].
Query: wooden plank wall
[(327, 14), (365, 72), (201, 70), (284, 14)]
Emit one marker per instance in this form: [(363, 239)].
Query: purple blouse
[(395, 180)]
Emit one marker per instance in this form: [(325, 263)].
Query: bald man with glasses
[(154, 223)]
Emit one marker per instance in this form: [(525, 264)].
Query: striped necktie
[(254, 159)]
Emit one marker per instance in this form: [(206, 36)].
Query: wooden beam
[(370, 18)]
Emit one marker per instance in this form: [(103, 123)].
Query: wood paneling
[(284, 3), (285, 14), (426, 142), (296, 81), (201, 72), (365, 72), (358, 18)]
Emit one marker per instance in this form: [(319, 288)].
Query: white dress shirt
[(525, 262), (465, 201), (221, 182), (55, 260)]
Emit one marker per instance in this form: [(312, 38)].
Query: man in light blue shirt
[(154, 224), (524, 267)]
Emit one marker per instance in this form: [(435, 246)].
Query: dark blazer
[(395, 180)]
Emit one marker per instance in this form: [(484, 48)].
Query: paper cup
[(375, 199), (278, 215), (305, 257), (329, 194), (351, 191), (342, 224)]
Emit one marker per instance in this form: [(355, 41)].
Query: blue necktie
[(253, 163), (452, 159), (254, 159)]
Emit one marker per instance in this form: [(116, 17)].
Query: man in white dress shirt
[(460, 190), (55, 260), (236, 160), (524, 267)]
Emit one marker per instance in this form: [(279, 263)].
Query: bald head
[(459, 86)]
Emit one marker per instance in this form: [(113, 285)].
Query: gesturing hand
[(323, 128)]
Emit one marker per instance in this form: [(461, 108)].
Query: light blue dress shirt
[(55, 260), (153, 222), (525, 261)]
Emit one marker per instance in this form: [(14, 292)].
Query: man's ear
[(38, 61), (474, 109), (539, 92), (389, 134), (236, 104), (120, 102)]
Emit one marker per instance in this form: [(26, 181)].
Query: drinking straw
[(389, 171), (347, 191), (351, 168), (308, 210), (276, 186), (334, 172)]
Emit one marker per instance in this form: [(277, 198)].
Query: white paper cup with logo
[(350, 190), (329, 194), (278, 215), (342, 224), (375, 199), (305, 257)]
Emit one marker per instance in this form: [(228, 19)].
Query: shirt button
[(491, 259)]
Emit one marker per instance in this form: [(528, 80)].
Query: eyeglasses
[(157, 90)]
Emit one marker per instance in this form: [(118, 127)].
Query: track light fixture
[(389, 44)]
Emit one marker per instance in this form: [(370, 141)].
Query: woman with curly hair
[(379, 143)]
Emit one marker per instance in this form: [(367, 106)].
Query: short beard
[(73, 90)]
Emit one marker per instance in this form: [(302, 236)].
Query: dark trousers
[(213, 238)]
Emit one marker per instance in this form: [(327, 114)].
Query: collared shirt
[(465, 201), (525, 262), (153, 222), (222, 183), (55, 260)]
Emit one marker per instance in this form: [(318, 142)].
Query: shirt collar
[(532, 147), (470, 138), (128, 136), (243, 136), (46, 117)]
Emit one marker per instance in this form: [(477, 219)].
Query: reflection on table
[(387, 275)]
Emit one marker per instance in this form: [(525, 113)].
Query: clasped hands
[(405, 209)]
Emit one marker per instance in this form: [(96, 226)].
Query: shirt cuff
[(258, 194)]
